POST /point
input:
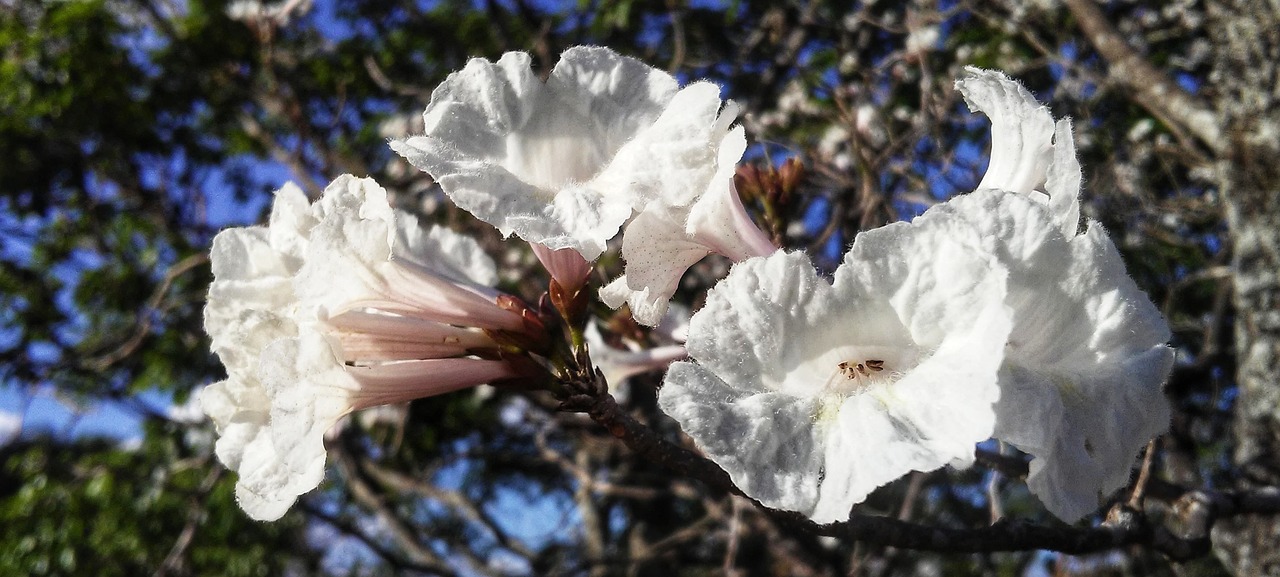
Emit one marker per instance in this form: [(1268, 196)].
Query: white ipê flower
[(810, 395), (334, 307), (663, 241), (1087, 355), (564, 162)]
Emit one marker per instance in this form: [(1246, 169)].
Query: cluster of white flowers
[(995, 314)]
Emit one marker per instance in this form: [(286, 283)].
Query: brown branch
[(1152, 89), (641, 439), (404, 536), (405, 484), (174, 562), (145, 320), (350, 528)]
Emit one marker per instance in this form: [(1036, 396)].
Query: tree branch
[(1152, 89), (403, 535)]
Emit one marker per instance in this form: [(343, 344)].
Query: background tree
[(135, 129)]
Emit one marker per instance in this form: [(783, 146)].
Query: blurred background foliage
[(133, 130)]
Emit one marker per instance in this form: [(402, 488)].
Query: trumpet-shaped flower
[(810, 395), (563, 163), (334, 307), (663, 241), (1086, 358)]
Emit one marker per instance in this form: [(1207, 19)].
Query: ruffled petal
[(1021, 130), (1030, 154), (443, 251), (248, 274), (309, 391), (523, 155), (811, 395), (290, 224), (265, 489), (1063, 180), (240, 411), (663, 241), (766, 441), (657, 252), (748, 329), (672, 161), (1103, 367)]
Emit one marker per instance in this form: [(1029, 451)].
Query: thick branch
[(1152, 89)]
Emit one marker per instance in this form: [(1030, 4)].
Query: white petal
[(247, 270), (309, 391), (657, 252), (266, 488), (1063, 180), (1104, 362), (522, 155), (749, 326), (718, 219), (672, 160), (936, 272), (663, 241), (239, 409), (766, 441), (443, 251), (290, 224), (1030, 154), (766, 399), (348, 194), (1021, 130)]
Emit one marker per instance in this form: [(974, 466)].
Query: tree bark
[(1246, 77)]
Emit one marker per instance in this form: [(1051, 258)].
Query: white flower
[(663, 241), (335, 307), (564, 163), (810, 395), (1081, 384)]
